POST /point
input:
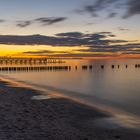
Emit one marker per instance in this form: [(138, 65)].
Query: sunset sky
[(70, 28)]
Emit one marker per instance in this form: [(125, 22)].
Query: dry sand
[(22, 118)]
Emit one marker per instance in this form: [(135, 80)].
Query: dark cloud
[(123, 29), (44, 52), (133, 8), (95, 36), (113, 7), (66, 54), (111, 50), (43, 21), (50, 20), (71, 34), (90, 23), (2, 20), (81, 55), (112, 15), (38, 52), (62, 39), (23, 24), (95, 7), (132, 52)]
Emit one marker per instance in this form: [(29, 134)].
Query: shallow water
[(116, 87)]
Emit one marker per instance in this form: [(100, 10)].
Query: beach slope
[(22, 117)]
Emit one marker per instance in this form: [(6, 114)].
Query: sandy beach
[(22, 117)]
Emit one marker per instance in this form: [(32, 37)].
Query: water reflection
[(111, 82)]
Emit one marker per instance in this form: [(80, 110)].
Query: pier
[(30, 60), (41, 66), (35, 68)]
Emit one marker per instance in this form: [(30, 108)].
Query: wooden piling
[(102, 66), (113, 66)]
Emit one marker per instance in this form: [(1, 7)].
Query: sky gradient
[(70, 28)]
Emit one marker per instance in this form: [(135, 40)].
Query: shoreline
[(121, 117), (25, 117)]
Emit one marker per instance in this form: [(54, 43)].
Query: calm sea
[(118, 87)]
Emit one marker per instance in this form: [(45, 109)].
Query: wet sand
[(25, 118)]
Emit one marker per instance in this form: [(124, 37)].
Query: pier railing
[(30, 60)]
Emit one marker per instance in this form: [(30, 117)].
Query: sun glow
[(22, 50), (55, 51)]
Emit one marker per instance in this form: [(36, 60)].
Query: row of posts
[(85, 67), (42, 68), (57, 68)]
